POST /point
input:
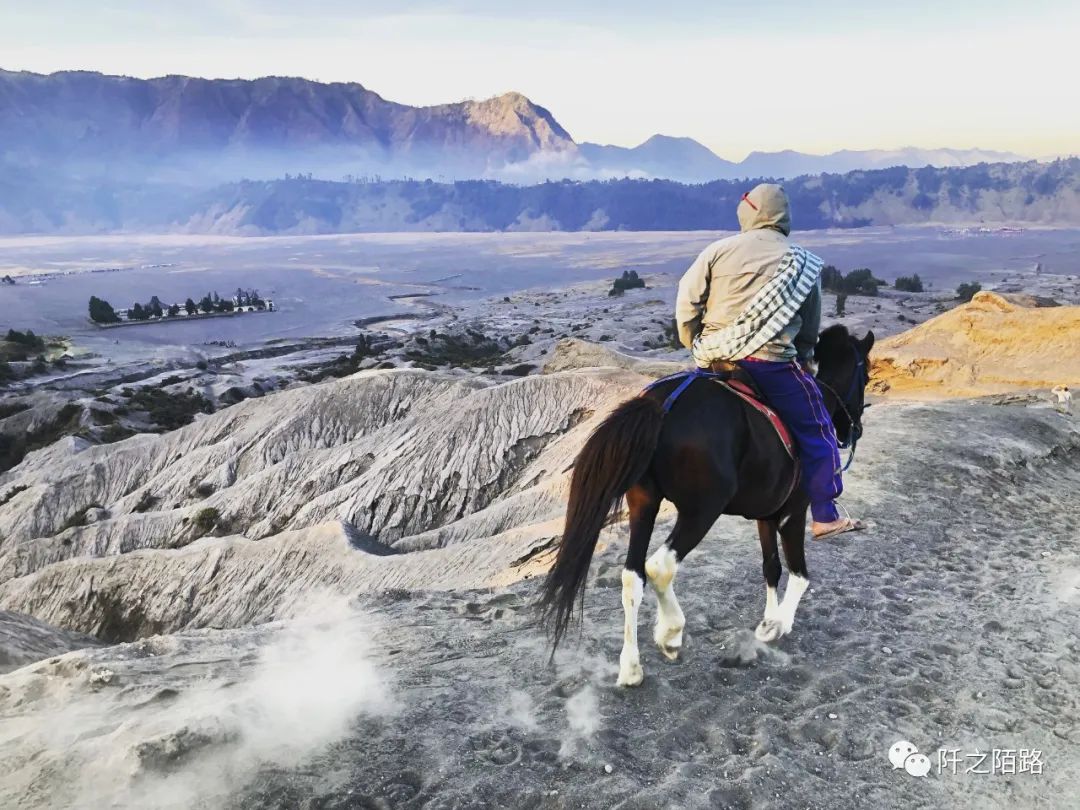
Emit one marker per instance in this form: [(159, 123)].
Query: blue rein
[(859, 378)]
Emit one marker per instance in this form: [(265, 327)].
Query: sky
[(738, 77)]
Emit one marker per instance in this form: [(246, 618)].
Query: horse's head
[(843, 372)]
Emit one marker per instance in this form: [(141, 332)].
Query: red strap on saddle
[(747, 395)]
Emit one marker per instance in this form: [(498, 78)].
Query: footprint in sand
[(496, 747)]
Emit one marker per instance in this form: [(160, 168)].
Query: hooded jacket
[(729, 273)]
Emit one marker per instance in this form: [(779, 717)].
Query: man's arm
[(810, 312), (693, 293)]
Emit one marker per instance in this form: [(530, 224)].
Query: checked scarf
[(767, 313)]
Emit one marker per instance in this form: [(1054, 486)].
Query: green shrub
[(831, 278), (858, 282), (115, 433), (79, 518), (11, 408), (521, 370), (629, 280), (14, 447), (207, 519), (101, 311), (966, 291), (27, 339), (911, 284), (170, 410)]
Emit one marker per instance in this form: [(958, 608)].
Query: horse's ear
[(867, 343)]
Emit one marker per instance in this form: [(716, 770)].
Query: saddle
[(743, 386)]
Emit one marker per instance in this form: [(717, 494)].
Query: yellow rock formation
[(994, 344)]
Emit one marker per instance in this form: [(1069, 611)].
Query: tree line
[(101, 311), (862, 281)]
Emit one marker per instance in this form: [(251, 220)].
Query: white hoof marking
[(630, 671), (780, 618), (630, 674), (771, 630)]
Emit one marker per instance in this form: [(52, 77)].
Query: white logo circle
[(917, 765), (900, 751)]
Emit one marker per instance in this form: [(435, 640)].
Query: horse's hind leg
[(769, 628), (643, 502), (662, 566)]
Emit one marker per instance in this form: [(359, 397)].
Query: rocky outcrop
[(993, 344)]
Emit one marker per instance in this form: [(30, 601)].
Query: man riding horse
[(730, 304), (700, 442)]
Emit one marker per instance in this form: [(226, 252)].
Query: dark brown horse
[(711, 455)]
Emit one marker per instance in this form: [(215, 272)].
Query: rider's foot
[(844, 524)]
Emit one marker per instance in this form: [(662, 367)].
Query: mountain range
[(205, 131), (688, 161), (83, 152)]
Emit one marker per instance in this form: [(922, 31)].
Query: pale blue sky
[(736, 76)]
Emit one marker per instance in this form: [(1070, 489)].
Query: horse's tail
[(614, 458)]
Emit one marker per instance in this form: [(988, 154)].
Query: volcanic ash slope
[(389, 479)]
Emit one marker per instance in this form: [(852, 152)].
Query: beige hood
[(765, 206)]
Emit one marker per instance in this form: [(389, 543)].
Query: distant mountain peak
[(513, 97), (661, 138), (513, 114)]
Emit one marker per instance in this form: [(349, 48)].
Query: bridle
[(847, 404)]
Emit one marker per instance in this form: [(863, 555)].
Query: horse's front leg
[(769, 627), (792, 535)]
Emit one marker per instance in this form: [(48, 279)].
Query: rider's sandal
[(849, 525)]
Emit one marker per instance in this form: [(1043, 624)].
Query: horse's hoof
[(768, 630), (669, 641), (631, 675)]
